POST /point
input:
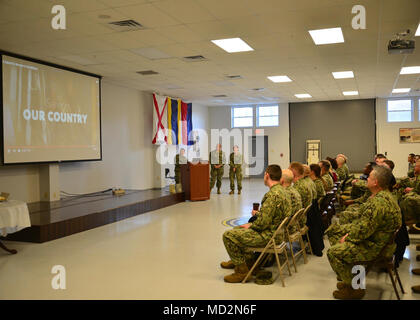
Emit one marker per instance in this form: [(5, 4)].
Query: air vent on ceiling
[(258, 89), (195, 58), (125, 25), (220, 96), (235, 77), (147, 72)]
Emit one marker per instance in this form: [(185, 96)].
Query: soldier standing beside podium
[(217, 160), (235, 169), (179, 159)]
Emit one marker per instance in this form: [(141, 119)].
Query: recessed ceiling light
[(232, 45), (279, 79), (401, 90), (327, 36), (303, 95), (343, 74), (418, 31), (410, 70), (350, 93)]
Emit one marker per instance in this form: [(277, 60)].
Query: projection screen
[(49, 114)]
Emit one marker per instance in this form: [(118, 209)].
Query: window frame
[(232, 116), (402, 121), (257, 118)]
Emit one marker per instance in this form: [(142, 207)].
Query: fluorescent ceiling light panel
[(350, 93), (327, 36), (418, 31), (303, 95), (279, 79), (232, 45), (401, 90), (343, 75), (410, 70)]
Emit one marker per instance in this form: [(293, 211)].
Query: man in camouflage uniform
[(341, 170), (179, 159), (295, 199), (411, 165), (410, 200), (301, 186), (275, 207), (325, 169), (309, 181), (364, 238), (217, 161), (235, 170)]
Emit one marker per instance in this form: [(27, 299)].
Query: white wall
[(387, 135), (278, 137)]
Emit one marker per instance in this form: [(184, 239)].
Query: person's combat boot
[(239, 191), (257, 269), (341, 285), (348, 293), (218, 191), (227, 264), (416, 271), (231, 192), (240, 273), (416, 289)]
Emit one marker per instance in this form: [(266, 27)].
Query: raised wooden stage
[(58, 219)]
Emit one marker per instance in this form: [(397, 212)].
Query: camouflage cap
[(264, 277)]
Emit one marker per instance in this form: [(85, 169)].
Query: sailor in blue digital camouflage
[(217, 161), (365, 237), (235, 170), (179, 159), (275, 208)]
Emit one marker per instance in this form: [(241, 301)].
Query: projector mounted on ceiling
[(400, 45)]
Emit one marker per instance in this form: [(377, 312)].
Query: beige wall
[(128, 156), (387, 135)]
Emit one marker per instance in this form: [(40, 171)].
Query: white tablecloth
[(14, 216)]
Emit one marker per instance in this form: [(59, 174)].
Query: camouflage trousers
[(177, 176), (335, 232), (343, 256), (238, 175), (216, 174), (410, 207), (237, 239)]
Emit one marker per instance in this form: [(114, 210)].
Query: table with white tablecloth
[(14, 216)]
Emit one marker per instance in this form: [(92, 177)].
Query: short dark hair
[(384, 176), (298, 167), (274, 171), (316, 169), (380, 156), (390, 164), (412, 155), (333, 162), (326, 164)]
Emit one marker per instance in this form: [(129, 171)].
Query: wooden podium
[(195, 180)]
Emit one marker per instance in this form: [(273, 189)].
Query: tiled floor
[(172, 253)]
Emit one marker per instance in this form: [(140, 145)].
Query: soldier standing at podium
[(179, 159), (217, 161), (235, 169)]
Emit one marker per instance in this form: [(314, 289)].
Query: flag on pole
[(159, 119)]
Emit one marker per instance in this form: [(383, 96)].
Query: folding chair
[(293, 234), (383, 262), (304, 230), (274, 248)]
